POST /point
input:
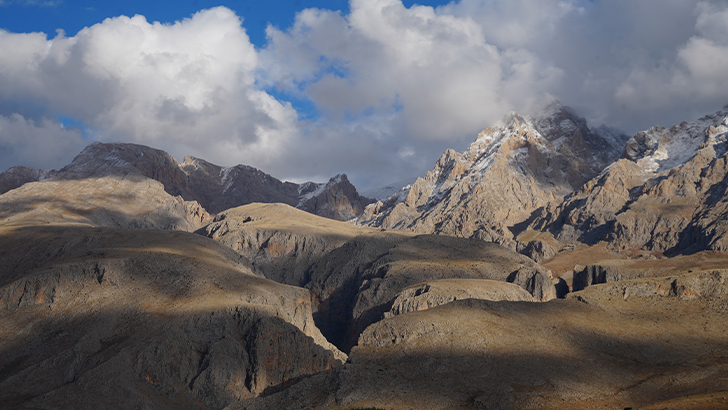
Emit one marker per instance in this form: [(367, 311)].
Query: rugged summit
[(512, 170), (666, 195)]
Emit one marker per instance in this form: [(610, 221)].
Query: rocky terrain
[(510, 172), (355, 274), (549, 266), (113, 318), (194, 180), (626, 345), (667, 195)]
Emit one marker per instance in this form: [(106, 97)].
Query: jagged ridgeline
[(193, 184), (550, 265)]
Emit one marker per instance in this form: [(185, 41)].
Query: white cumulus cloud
[(187, 87), (391, 87)]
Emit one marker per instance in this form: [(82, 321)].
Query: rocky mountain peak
[(17, 176), (335, 199), (658, 148), (512, 169), (665, 195), (215, 188)]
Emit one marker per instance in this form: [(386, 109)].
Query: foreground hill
[(114, 318), (657, 342)]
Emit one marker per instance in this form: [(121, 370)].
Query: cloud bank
[(378, 93)]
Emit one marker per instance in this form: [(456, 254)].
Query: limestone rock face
[(113, 318), (218, 188), (358, 283), (536, 249), (665, 196), (595, 274), (337, 199), (508, 173), (440, 292), (280, 242)]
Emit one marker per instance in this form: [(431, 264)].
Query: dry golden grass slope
[(119, 318), (130, 201)]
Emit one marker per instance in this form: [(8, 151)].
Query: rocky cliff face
[(218, 188), (337, 199), (356, 273), (666, 195), (508, 173), (440, 292)]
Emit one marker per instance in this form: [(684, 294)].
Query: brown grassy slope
[(600, 350), (281, 242), (131, 201), (114, 318), (356, 273)]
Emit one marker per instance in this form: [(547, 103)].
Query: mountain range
[(550, 265)]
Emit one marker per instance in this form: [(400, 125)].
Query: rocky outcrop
[(665, 196), (711, 284), (281, 242), (111, 318), (509, 172), (536, 249), (440, 292), (337, 199), (17, 176), (594, 274), (358, 283)]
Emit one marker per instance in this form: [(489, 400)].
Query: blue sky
[(377, 89), (21, 16)]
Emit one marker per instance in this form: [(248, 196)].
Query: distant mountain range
[(212, 187), (661, 190)]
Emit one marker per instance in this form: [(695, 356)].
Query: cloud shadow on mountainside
[(114, 318), (554, 355)]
